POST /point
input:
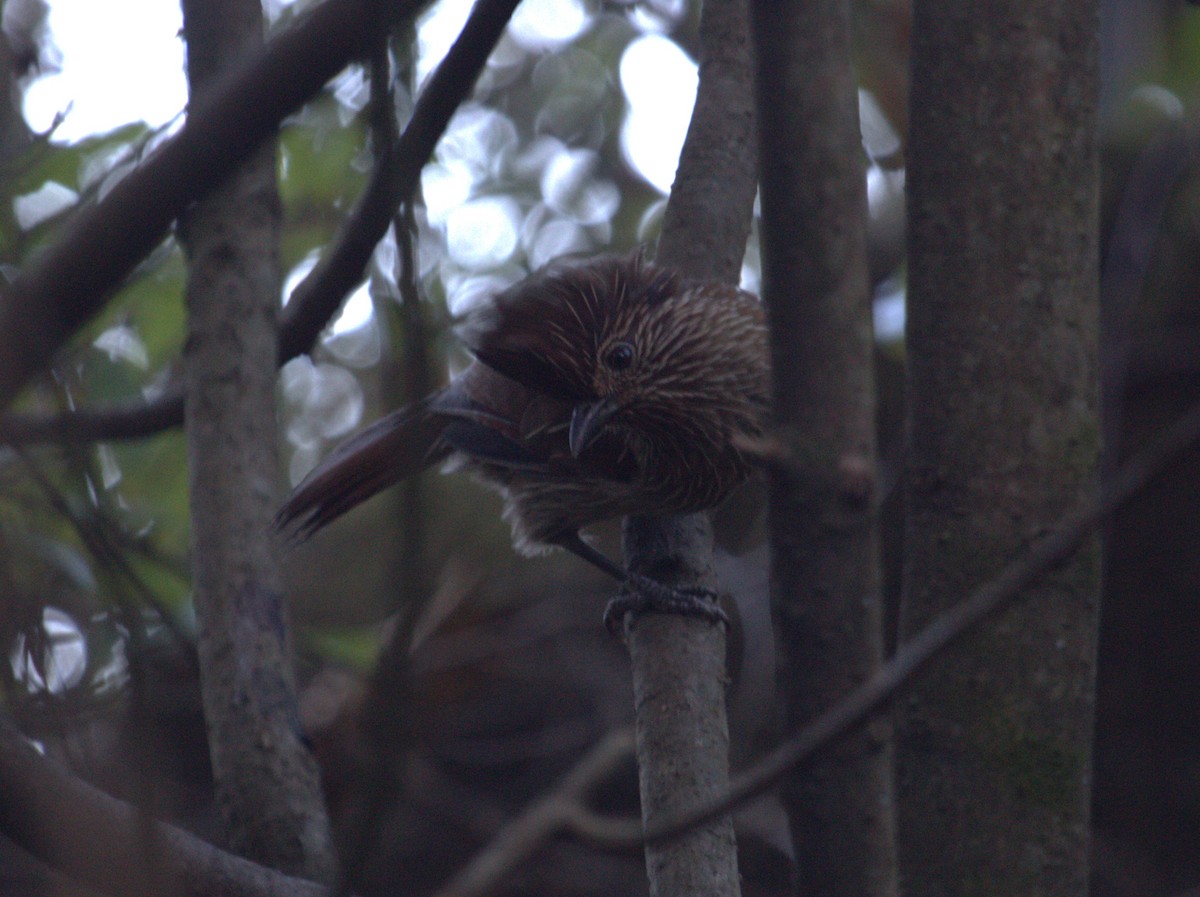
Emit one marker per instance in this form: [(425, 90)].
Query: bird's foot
[(642, 595)]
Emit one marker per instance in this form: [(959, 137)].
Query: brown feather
[(683, 364), (393, 448)]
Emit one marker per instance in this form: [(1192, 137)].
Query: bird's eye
[(618, 357)]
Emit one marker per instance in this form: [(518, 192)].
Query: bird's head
[(632, 347)]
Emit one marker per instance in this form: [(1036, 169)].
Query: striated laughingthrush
[(600, 389)]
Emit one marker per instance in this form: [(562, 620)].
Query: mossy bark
[(995, 742)]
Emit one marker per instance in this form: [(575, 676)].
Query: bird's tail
[(394, 447)]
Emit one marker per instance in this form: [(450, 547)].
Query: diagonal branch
[(318, 296), (541, 821), (393, 180), (1042, 557), (99, 840), (70, 281)]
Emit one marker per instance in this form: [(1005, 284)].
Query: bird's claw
[(644, 595)]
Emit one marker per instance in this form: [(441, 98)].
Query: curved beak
[(588, 421)]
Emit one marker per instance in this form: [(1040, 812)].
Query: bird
[(598, 388)]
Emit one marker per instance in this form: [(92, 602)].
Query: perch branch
[(1044, 555)]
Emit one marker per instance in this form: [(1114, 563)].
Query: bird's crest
[(544, 331)]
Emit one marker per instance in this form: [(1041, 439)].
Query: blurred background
[(568, 145)]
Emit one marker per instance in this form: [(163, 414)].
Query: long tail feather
[(394, 447)]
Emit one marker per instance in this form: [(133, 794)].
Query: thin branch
[(132, 420), (393, 180), (68, 283), (541, 821), (315, 300), (100, 534), (405, 308), (1044, 555), (388, 727)]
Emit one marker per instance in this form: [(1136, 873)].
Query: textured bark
[(682, 737), (15, 136), (994, 748), (707, 220), (825, 551), (268, 791), (679, 663)]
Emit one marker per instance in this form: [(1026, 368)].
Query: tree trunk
[(827, 597), (995, 744), (268, 791)]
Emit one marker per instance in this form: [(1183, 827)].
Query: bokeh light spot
[(659, 81), (483, 233), (547, 24)]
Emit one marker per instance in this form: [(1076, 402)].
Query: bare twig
[(1043, 556), (393, 180), (100, 536), (543, 819), (387, 725), (405, 305), (134, 420)]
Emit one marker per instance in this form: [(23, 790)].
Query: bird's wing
[(496, 420), (389, 450), (484, 443)]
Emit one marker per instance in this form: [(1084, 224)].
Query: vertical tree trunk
[(15, 134), (679, 663), (825, 551), (267, 785), (994, 748)]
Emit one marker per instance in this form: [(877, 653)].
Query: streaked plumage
[(600, 389)]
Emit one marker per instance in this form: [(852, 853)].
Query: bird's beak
[(588, 421)]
